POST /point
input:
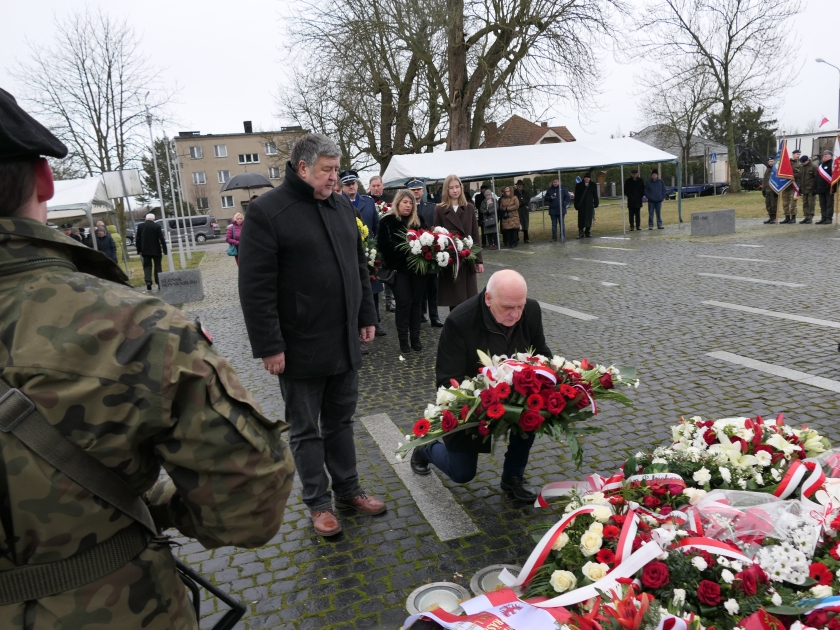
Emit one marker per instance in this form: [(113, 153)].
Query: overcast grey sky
[(226, 59)]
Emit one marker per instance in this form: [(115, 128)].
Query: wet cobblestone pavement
[(650, 314)]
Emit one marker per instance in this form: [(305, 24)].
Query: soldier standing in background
[(806, 180), (823, 188), (771, 197), (135, 384), (789, 194)]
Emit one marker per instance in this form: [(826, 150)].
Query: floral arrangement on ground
[(437, 249), (735, 525), (524, 393)]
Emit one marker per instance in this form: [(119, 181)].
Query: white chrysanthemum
[(725, 474), (763, 458), (426, 239), (441, 230), (443, 259), (468, 242), (699, 563), (702, 476), (679, 597)]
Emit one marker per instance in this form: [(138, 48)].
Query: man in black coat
[(426, 210), (499, 320), (305, 292), (586, 200), (634, 190), (151, 245)]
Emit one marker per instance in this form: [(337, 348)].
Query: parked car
[(204, 227), (538, 201), (129, 236)]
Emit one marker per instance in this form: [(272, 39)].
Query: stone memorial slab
[(713, 222), (179, 287)]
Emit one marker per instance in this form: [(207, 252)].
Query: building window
[(249, 158), (199, 178), (224, 176), (220, 150), (202, 203), (270, 148), (273, 172), (227, 201), (196, 153)]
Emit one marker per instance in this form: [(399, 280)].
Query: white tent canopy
[(508, 161), (78, 198)]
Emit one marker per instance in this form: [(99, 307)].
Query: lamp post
[(818, 60)]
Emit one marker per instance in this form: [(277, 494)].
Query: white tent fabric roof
[(508, 161), (75, 197)]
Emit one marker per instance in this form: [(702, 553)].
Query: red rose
[(760, 576), (530, 420), (448, 421), (675, 489), (585, 364), (834, 623), (503, 390), (525, 382), (496, 411), (421, 427), (618, 519), (428, 256), (606, 556), (746, 583), (568, 391), (611, 532), (606, 380), (465, 253), (655, 575), (482, 428), (535, 402), (817, 619), (556, 403), (820, 573), (464, 411), (582, 402), (708, 557), (489, 397), (658, 490), (651, 502), (424, 249), (665, 510), (708, 593), (710, 437)]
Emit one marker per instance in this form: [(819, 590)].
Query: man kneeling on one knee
[(499, 320)]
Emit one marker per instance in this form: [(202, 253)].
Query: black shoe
[(148, 286), (808, 221), (424, 319), (580, 235), (661, 227), (419, 464), (416, 345), (404, 347), (787, 220), (769, 221), (389, 306), (631, 228), (792, 220), (436, 323), (519, 488), (587, 235), (379, 331)]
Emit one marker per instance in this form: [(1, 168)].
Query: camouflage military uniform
[(135, 384), (789, 195), (771, 197), (806, 180)]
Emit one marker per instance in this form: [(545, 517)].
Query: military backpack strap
[(19, 417)]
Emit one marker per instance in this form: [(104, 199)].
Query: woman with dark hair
[(456, 214), (586, 200), (408, 286)]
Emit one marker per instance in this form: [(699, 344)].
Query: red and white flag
[(823, 121), (835, 170)]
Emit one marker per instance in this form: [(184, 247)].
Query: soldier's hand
[(275, 364), (367, 334)]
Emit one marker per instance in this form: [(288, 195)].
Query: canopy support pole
[(562, 213), (181, 198), (679, 192), (496, 212), (623, 212), (92, 232), (175, 206)]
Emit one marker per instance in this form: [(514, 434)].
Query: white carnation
[(426, 239), (727, 576), (725, 474), (702, 476), (763, 458), (699, 563), (731, 606), (679, 596), (776, 599)]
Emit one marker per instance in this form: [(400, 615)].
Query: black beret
[(21, 136)]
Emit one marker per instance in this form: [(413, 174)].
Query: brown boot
[(363, 503), (325, 522)]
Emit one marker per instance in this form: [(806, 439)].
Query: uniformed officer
[(789, 194), (426, 209), (823, 187), (135, 384), (806, 180), (771, 198), (366, 206)]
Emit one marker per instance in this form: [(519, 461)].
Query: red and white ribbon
[(809, 473), (670, 478), (501, 610), (491, 370), (593, 483), (591, 400), (712, 546), (624, 547)]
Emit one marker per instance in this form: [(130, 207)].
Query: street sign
[(712, 158), (124, 183)]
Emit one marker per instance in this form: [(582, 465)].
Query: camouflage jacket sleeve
[(230, 471)]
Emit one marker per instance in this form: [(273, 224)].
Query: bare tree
[(89, 86), (678, 103), (732, 40)]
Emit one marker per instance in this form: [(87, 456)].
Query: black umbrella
[(247, 181)]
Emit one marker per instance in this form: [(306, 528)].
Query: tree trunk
[(734, 173), (386, 121), (459, 109)]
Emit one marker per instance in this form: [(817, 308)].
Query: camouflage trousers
[(789, 202), (771, 203), (809, 201)]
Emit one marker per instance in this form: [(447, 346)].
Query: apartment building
[(208, 161)]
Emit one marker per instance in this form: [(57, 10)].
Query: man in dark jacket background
[(634, 190), (822, 187), (426, 210), (558, 199), (502, 320), (771, 197), (306, 299), (655, 193), (586, 200), (151, 245)]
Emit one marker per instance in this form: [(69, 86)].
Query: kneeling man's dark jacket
[(303, 280), (471, 327)]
